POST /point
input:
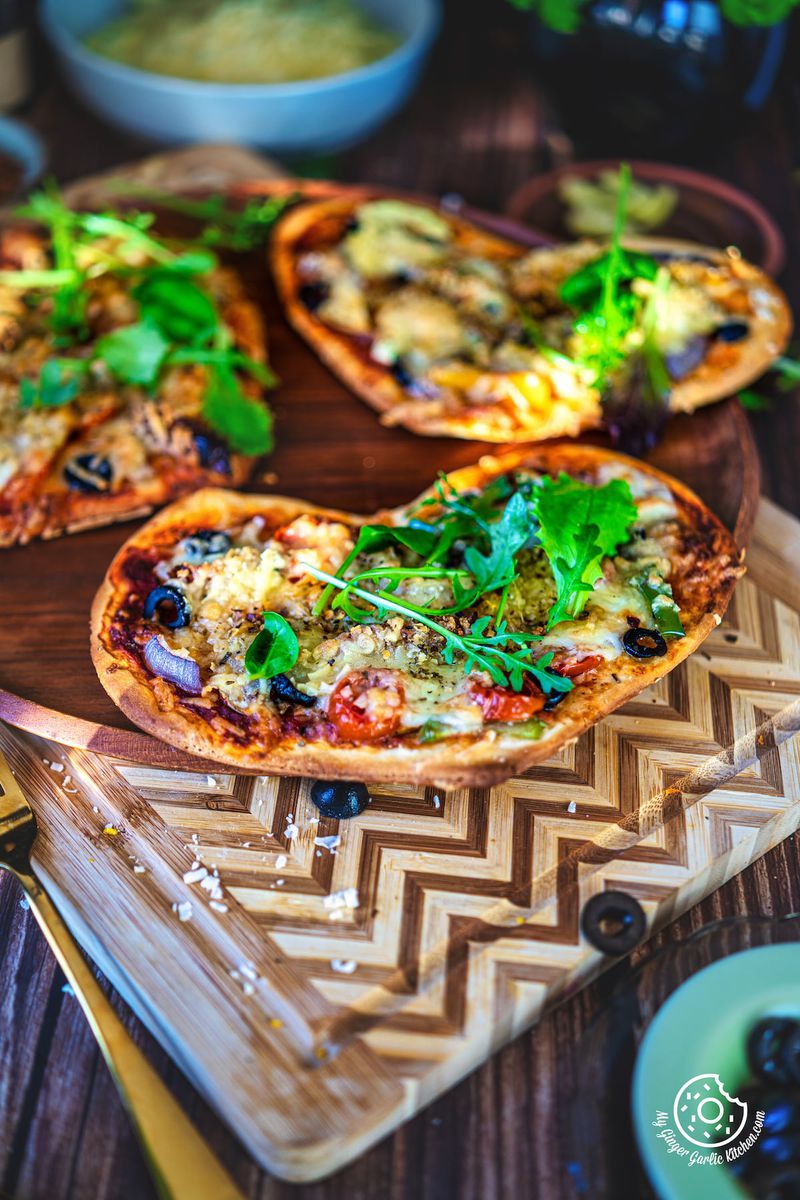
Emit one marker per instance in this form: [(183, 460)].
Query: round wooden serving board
[(330, 449)]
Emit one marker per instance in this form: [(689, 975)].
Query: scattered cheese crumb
[(437, 803), (211, 781), (184, 910), (248, 989), (280, 882), (211, 885), (345, 966), (329, 843), (276, 1022), (56, 766), (572, 807), (217, 906), (248, 969), (138, 869), (519, 920), (291, 831), (25, 903), (111, 831), (195, 875), (280, 862), (68, 989), (347, 898)]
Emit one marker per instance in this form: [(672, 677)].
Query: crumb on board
[(110, 831), (183, 909), (218, 906), (344, 966), (280, 862), (195, 875), (346, 898), (328, 843)]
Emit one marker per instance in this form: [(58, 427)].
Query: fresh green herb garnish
[(578, 526), (787, 371), (231, 228), (274, 650), (505, 655), (59, 383), (178, 319), (134, 353), (607, 310)]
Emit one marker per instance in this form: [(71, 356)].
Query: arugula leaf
[(236, 229), (607, 312), (378, 537), (507, 537), (59, 383), (134, 353), (244, 423), (506, 656), (754, 401), (274, 650), (578, 526)]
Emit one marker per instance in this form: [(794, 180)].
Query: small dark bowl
[(709, 211)]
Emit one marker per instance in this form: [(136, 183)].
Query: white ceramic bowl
[(312, 116)]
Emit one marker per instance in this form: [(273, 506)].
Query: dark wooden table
[(477, 126)]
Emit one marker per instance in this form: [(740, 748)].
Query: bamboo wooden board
[(460, 912)]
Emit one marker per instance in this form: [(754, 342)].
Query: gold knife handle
[(182, 1165)]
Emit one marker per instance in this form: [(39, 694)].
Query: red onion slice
[(184, 672)]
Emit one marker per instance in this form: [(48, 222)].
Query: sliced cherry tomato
[(572, 667), (367, 705), (503, 704)]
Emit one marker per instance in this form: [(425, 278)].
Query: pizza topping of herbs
[(472, 610)]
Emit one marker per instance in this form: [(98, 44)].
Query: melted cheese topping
[(227, 593)]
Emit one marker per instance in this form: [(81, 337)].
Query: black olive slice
[(401, 374), (644, 643), (205, 543), (313, 294), (89, 473), (614, 922), (732, 331), (283, 691), (169, 605), (767, 1049), (339, 799)]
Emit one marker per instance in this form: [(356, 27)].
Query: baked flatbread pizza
[(453, 642), (132, 370), (445, 328)]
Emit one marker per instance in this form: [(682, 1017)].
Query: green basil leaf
[(273, 651), (134, 353)]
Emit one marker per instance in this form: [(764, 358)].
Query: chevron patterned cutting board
[(320, 983)]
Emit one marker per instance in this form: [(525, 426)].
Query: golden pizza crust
[(703, 579), (322, 222)]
